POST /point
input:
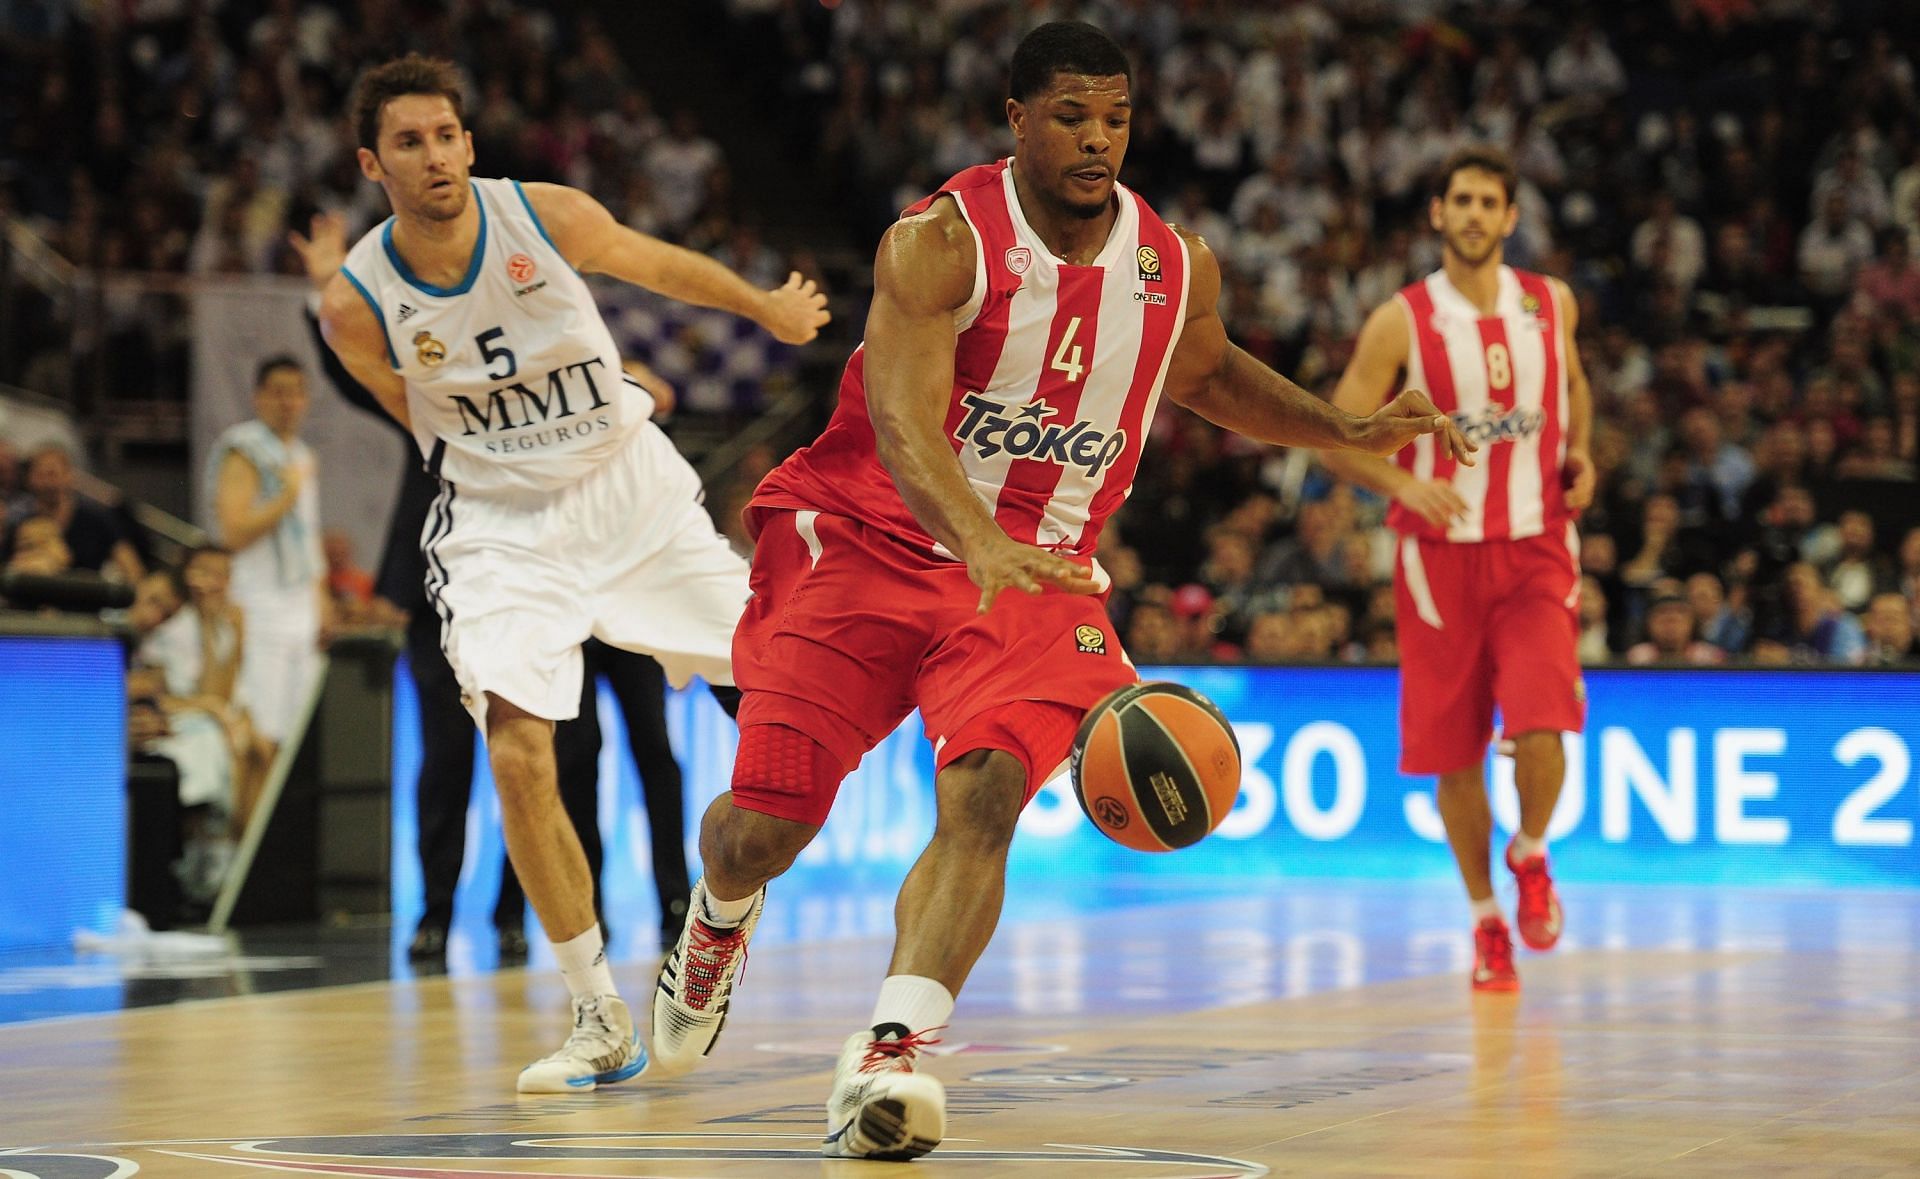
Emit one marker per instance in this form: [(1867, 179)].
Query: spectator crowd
[(188, 138), (1732, 187)]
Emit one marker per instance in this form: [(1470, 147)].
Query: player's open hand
[(325, 252), (1407, 417), (796, 312), (1008, 564)]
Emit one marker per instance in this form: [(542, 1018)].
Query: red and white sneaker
[(1493, 957), (695, 985), (1538, 911), (880, 1108)]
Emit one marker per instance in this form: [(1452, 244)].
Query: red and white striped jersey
[(1503, 379), (1055, 379)]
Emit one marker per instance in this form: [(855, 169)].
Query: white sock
[(583, 963), (1484, 908), (918, 1002), (724, 914), (1525, 847)]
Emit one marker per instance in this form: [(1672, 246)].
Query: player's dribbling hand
[(795, 312), (1008, 564), (325, 252), (1405, 418)]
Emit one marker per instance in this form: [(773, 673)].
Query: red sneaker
[(1493, 957), (1538, 912)]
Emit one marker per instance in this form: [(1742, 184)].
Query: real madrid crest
[(429, 351), (1149, 260)]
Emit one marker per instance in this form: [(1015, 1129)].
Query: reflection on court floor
[(1316, 1028)]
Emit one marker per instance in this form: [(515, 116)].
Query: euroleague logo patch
[(1019, 258), (520, 268), (1149, 261), (1090, 639)]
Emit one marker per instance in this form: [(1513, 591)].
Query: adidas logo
[(406, 313)]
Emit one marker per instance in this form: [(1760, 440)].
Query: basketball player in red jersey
[(1026, 319), (1488, 576)]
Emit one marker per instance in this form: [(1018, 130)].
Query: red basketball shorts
[(1482, 626), (849, 630)]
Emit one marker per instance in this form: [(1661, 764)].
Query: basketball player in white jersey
[(1026, 319), (1488, 577), (564, 512)]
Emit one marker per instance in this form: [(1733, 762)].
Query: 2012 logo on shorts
[(1090, 639)]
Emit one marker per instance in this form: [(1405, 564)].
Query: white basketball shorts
[(627, 554)]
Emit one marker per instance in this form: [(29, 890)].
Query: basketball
[(1156, 766)]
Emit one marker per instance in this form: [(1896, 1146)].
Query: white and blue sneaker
[(603, 1048), (695, 985), (880, 1108)]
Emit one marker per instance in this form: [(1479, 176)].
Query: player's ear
[(1434, 208), (1513, 219), (469, 136), (1017, 118), (369, 164)]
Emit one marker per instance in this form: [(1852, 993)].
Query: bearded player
[(1488, 572)]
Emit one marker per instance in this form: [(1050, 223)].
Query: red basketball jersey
[(1503, 379), (1055, 379)]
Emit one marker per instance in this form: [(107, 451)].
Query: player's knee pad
[(783, 772)]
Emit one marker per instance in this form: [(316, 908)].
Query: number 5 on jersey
[(492, 355)]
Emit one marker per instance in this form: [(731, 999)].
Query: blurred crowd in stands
[(186, 138), (1732, 187)]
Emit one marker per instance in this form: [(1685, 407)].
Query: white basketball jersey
[(513, 381)]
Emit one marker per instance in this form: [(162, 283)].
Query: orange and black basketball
[(1156, 766)]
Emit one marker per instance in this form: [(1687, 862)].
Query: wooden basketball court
[(1326, 1029)]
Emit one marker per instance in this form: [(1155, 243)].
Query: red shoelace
[(709, 951), (883, 1051)]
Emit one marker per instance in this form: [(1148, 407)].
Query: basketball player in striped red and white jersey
[(1026, 320), (1488, 575)]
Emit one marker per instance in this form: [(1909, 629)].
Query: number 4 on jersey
[(1062, 362)]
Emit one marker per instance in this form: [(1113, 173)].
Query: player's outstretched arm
[(1378, 357), (587, 236), (358, 338), (923, 273), (1219, 381)]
